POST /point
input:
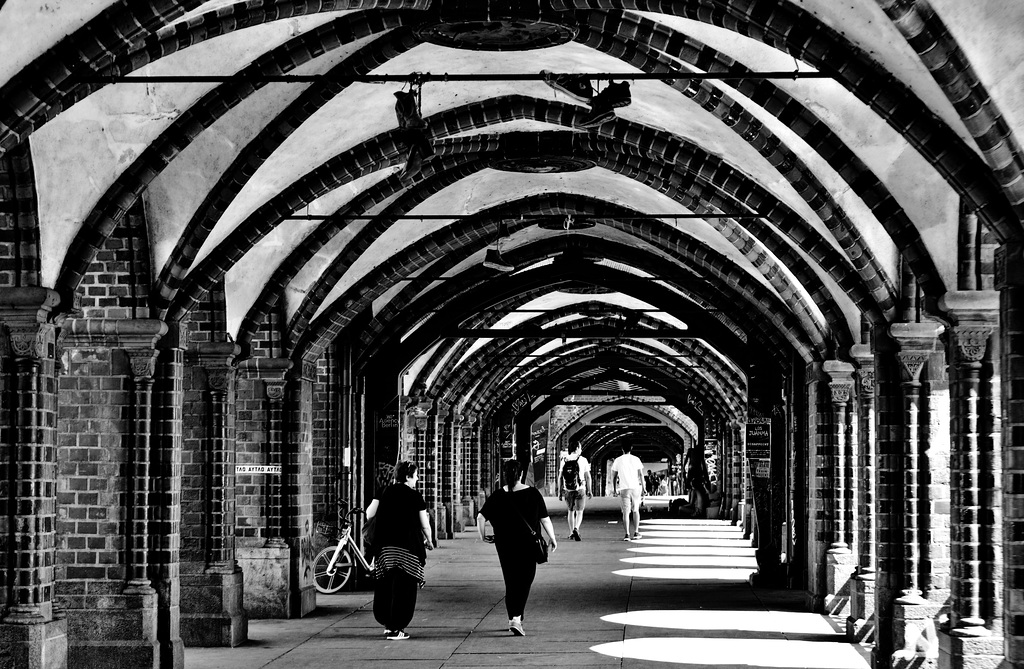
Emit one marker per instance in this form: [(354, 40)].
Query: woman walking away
[(401, 541), (510, 510)]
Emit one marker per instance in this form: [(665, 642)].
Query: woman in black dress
[(401, 539), (506, 510)]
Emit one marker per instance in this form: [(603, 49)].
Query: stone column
[(32, 634), (212, 590), (969, 639), (738, 487), (861, 623), (839, 559), (914, 633)]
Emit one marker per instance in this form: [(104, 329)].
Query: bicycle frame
[(346, 540)]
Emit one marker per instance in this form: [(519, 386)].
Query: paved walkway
[(678, 596)]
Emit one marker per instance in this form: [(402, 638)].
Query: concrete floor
[(679, 596)]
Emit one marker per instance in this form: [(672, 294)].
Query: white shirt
[(628, 467)]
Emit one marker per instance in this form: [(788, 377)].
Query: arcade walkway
[(678, 597)]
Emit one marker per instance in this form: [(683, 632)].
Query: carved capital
[(275, 390), (841, 392), (30, 340), (911, 364), (219, 379), (143, 363), (972, 341), (867, 381)]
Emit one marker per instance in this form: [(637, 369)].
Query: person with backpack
[(575, 486)]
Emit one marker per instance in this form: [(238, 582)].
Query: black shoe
[(576, 86), (576, 535), (597, 117)]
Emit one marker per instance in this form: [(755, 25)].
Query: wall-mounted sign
[(759, 446), (257, 469)]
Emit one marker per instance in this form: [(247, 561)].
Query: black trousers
[(518, 571), (394, 599)]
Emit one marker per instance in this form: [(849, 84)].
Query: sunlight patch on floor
[(681, 534), (783, 622), (745, 652), (688, 573), (738, 551), (673, 541), (695, 560)]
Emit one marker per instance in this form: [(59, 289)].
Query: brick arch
[(800, 34), (495, 393), (130, 185), (662, 238), (577, 413), (940, 53), (777, 102), (475, 235), (316, 183), (475, 375), (661, 156), (49, 84), (465, 376), (118, 281), (443, 362), (440, 174), (461, 298), (19, 219)]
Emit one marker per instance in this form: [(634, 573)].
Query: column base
[(269, 591), (969, 652), (915, 636), (101, 625), (839, 570), (212, 613), (860, 625), (40, 645)]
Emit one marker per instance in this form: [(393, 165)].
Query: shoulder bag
[(539, 547)]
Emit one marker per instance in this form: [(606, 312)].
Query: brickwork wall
[(92, 428), (195, 417), (326, 439), (935, 465), (889, 413), (820, 436), (117, 282), (19, 219), (250, 449), (298, 463)]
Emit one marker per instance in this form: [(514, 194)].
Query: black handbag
[(540, 547)]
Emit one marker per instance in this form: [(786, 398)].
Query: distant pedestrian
[(574, 484), (516, 512), (627, 483), (401, 540), (698, 480)]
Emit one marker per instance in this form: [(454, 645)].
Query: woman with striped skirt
[(401, 539)]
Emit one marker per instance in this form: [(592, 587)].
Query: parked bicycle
[(334, 565)]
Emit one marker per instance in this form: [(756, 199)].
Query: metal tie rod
[(421, 77), (524, 217)]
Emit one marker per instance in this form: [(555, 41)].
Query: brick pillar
[(860, 625), (970, 638), (265, 557), (444, 461), (109, 551), (297, 488), (914, 634), (840, 562), (738, 500), (212, 613), (32, 632)]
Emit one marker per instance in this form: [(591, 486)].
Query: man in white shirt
[(575, 485), (627, 483)]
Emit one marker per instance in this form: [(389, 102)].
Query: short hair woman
[(401, 540), (506, 510)]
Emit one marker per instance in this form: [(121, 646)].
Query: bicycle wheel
[(330, 582)]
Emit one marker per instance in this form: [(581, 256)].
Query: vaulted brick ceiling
[(839, 177)]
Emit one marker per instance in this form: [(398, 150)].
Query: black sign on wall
[(759, 447)]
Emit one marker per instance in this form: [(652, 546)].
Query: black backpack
[(571, 475)]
